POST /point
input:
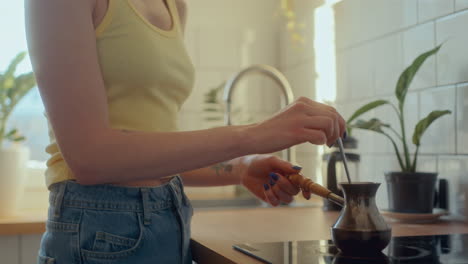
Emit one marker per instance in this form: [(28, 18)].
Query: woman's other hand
[(264, 176), (302, 121)]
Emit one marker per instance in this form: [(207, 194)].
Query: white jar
[(13, 169)]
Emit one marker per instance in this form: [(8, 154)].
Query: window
[(28, 115)]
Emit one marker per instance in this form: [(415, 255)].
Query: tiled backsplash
[(376, 40)]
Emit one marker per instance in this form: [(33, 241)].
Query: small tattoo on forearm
[(223, 166)]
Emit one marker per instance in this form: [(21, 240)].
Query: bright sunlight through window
[(28, 116)]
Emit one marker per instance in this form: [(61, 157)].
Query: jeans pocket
[(106, 242), (45, 260), (110, 235)]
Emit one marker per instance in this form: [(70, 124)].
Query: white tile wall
[(222, 52), (462, 119), (427, 163), (417, 40), (461, 4), (302, 78), (387, 62), (452, 58), (440, 136), (360, 20), (429, 9), (357, 73), (440, 84), (455, 169)]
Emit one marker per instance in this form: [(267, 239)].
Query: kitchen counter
[(214, 232)]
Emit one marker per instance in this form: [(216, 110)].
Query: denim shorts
[(113, 224)]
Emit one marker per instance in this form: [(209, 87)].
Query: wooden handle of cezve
[(309, 186)]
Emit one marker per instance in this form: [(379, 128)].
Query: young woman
[(112, 75)]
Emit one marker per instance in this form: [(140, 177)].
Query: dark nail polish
[(274, 176), (266, 187), (330, 146), (345, 135), (272, 182), (297, 167)]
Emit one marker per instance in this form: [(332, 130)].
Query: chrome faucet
[(274, 74)]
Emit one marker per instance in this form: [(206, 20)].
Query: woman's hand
[(302, 121), (264, 176)]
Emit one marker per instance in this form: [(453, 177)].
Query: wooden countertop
[(214, 232), (27, 222)]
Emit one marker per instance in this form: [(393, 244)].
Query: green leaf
[(212, 110), (367, 108), (23, 84), (374, 125), (17, 139), (424, 123), (9, 75), (213, 119), (408, 74), (11, 133), (212, 95)]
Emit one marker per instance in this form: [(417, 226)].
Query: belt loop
[(146, 209), (59, 199)]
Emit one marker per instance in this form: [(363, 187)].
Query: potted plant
[(13, 156), (409, 191)]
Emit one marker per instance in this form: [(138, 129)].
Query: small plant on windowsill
[(12, 90), (409, 191), (12, 159)]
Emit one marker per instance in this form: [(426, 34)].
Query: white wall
[(376, 40)]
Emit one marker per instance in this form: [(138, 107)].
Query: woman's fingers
[(318, 109), (336, 134), (283, 184), (280, 193), (316, 137), (270, 196), (285, 167)]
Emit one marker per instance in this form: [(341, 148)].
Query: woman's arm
[(219, 174), (62, 47)]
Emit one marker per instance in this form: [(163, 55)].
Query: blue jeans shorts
[(113, 224)]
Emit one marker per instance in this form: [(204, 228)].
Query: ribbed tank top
[(147, 72)]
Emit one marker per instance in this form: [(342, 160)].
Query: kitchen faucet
[(277, 77)]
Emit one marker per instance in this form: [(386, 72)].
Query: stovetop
[(441, 249)]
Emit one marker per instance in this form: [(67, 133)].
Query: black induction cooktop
[(441, 249)]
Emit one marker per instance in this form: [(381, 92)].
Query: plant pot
[(411, 192), (13, 169)]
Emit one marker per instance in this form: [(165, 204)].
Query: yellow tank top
[(147, 73)]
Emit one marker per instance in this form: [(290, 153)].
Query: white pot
[(13, 169)]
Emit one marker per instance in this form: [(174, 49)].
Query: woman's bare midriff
[(144, 183)]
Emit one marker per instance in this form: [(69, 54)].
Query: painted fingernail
[(274, 176), (272, 182), (297, 167), (266, 187), (345, 135), (330, 146)]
